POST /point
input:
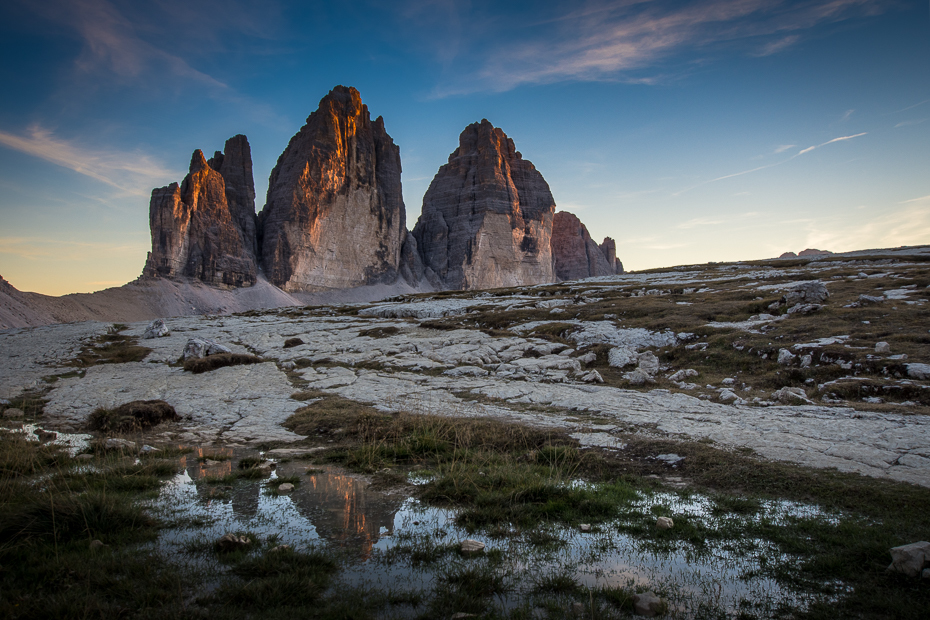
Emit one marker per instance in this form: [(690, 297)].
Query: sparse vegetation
[(221, 360), (132, 416)]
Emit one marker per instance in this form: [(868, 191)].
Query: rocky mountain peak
[(203, 228), (334, 216), (487, 216)]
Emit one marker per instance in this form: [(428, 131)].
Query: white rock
[(638, 377), (785, 356), (671, 458), (914, 371), (592, 376), (806, 361), (727, 396), (804, 308), (728, 381), (618, 357), (471, 547), (585, 527), (201, 347), (588, 358), (115, 443), (882, 347), (156, 329), (910, 559), (811, 292), (285, 487), (681, 375), (665, 523), (648, 363), (791, 396)]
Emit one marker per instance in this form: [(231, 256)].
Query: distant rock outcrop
[(334, 217), (487, 216), (788, 255), (813, 252), (575, 254), (205, 228)]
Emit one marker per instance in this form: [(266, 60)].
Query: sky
[(711, 130)]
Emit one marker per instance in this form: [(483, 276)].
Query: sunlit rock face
[(205, 228), (487, 216), (574, 253), (334, 216)]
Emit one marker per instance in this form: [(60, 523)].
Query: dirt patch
[(132, 416), (212, 362)]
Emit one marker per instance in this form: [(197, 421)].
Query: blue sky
[(688, 131)]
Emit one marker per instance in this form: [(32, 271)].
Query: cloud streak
[(840, 139), (131, 172), (618, 40)]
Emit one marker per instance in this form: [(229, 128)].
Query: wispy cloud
[(840, 139), (784, 147), (911, 122), (846, 116), (625, 40), (131, 172)]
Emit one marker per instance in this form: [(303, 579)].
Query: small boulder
[(156, 329), (785, 357), (649, 605), (585, 527), (683, 374), (914, 371), (664, 523), (588, 358), (648, 363), (14, 413), (910, 559), (292, 342), (804, 308), (201, 347), (812, 292), (44, 435), (592, 376), (671, 459), (791, 396), (806, 361), (882, 348), (727, 396), (471, 547), (869, 299), (638, 377), (115, 443), (619, 357), (285, 487)]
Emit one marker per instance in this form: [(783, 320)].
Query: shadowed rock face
[(609, 249), (574, 253), (205, 228), (487, 216), (334, 215)]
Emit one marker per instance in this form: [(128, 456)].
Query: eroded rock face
[(609, 249), (487, 216), (575, 254), (334, 216), (205, 227)]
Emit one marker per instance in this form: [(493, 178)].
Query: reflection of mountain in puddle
[(327, 504), (345, 510)]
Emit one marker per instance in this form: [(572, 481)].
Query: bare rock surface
[(377, 354), (487, 216), (197, 232), (334, 216)]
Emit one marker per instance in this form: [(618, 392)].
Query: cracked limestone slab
[(235, 403)]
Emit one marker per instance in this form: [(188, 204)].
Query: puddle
[(381, 537), (74, 443)]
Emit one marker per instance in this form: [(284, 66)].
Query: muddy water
[(375, 533)]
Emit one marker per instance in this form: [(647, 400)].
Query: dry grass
[(212, 362), (132, 416)]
